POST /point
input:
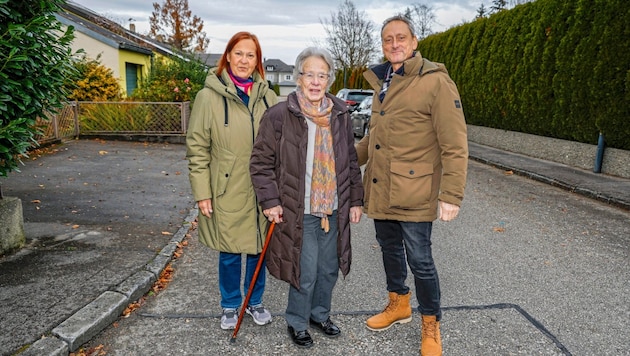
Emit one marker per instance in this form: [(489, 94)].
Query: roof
[(115, 35), (209, 59), (277, 65), (92, 24)]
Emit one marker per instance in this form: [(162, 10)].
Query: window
[(269, 68), (287, 77)]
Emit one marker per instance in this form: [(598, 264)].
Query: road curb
[(94, 317)]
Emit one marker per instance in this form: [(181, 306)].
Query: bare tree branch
[(350, 36)]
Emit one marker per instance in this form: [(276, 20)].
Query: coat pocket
[(410, 185), (221, 167)]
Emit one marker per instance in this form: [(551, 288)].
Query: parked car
[(354, 97), (361, 117)]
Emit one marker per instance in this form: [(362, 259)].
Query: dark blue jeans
[(230, 279), (403, 242)]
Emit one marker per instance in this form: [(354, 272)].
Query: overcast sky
[(284, 27)]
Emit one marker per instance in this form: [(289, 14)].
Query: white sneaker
[(260, 315), (229, 319)]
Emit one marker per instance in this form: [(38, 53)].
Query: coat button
[(374, 180), (227, 175), (377, 146), (411, 172), (382, 113)]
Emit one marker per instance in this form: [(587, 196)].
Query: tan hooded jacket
[(416, 150)]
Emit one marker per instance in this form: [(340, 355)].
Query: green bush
[(35, 59), (175, 79), (553, 68), (93, 82)]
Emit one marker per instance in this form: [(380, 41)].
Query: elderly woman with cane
[(306, 177)]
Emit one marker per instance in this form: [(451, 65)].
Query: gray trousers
[(319, 269)]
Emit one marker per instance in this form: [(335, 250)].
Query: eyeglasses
[(309, 77)]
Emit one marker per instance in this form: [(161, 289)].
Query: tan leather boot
[(431, 343), (398, 311)]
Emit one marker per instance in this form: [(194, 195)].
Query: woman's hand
[(205, 207), (274, 214)]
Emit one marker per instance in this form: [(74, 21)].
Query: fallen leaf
[(498, 229), (178, 173), (36, 201), (75, 226), (508, 173), (166, 233), (102, 152)]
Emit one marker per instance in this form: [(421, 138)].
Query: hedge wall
[(553, 68)]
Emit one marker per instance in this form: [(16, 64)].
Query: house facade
[(281, 74), (128, 60)]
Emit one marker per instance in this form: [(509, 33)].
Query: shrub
[(170, 80), (93, 82), (35, 60)]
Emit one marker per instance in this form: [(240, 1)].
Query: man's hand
[(355, 214), (447, 211)]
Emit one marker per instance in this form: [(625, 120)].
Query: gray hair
[(402, 18), (315, 52)]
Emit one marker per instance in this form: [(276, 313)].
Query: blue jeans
[(410, 242), (230, 279), (319, 269)]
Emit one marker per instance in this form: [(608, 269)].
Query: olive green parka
[(219, 143)]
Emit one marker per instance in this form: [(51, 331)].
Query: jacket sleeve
[(262, 163), (450, 127), (198, 144), (356, 183)]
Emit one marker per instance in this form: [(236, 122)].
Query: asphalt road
[(526, 269)]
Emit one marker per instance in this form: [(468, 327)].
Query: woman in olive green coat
[(223, 125)]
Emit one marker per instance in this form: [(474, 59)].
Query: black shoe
[(301, 338), (327, 327)]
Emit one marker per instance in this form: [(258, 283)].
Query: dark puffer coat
[(278, 170)]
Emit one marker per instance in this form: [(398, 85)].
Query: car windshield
[(358, 97)]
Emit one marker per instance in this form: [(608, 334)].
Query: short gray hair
[(398, 18), (315, 52)]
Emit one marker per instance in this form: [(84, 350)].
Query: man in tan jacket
[(417, 156)]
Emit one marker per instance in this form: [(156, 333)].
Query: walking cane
[(251, 284)]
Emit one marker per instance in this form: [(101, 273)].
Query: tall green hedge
[(554, 68)]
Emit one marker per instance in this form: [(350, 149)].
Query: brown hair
[(223, 63)]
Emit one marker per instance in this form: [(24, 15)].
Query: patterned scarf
[(244, 86), (324, 180), (386, 82)]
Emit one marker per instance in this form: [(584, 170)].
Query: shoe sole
[(401, 321), (256, 321), (228, 327)]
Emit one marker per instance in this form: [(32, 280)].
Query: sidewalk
[(103, 219), (605, 188)]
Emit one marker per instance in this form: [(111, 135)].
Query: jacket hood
[(224, 86)]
